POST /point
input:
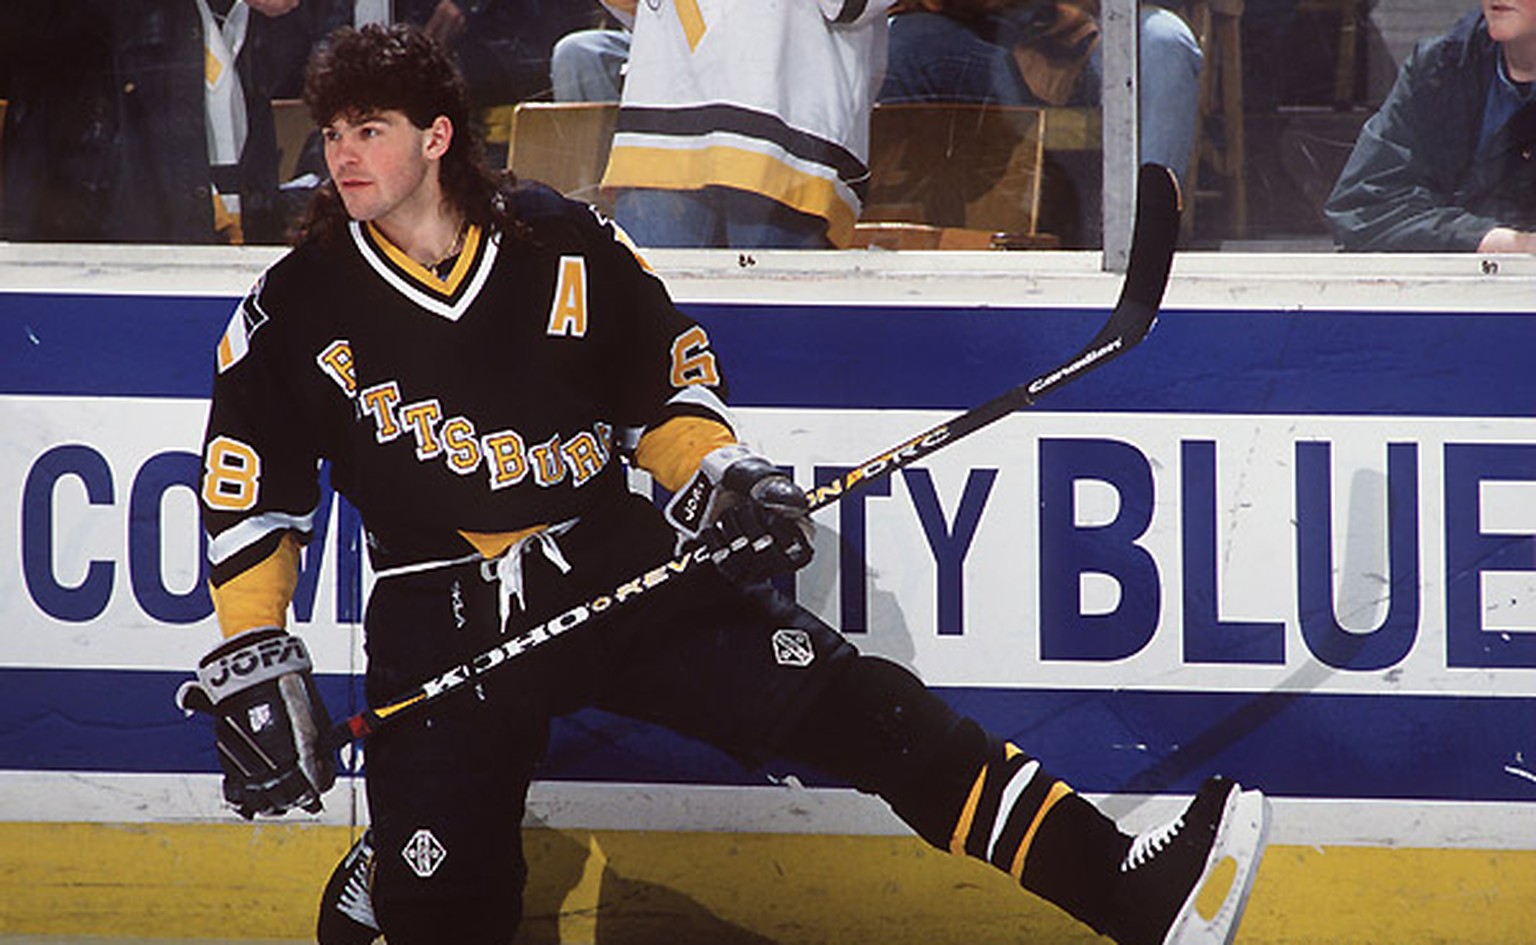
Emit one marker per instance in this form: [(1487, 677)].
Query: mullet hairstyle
[(360, 72)]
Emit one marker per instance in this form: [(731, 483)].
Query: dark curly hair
[(358, 72)]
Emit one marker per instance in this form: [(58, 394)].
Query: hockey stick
[(1151, 257)]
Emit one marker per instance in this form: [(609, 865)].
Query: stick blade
[(1153, 240)]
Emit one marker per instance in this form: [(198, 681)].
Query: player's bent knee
[(878, 727), (422, 896)]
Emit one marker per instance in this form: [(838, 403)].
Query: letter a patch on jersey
[(568, 312)]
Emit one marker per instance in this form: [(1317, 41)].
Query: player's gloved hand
[(268, 720), (753, 518)]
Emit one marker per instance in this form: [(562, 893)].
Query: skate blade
[(1215, 908)]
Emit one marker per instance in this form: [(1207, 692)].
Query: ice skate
[(346, 906), (1187, 882)]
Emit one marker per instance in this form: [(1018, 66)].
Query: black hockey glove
[(754, 519), (269, 722)]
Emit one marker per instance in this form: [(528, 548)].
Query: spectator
[(1446, 163), (503, 46), (1046, 52), (502, 49), (589, 65), (751, 130), (1032, 53), (147, 122)]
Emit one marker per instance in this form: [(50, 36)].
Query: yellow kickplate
[(263, 881), (1216, 888)]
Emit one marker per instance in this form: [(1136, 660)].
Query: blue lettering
[(950, 546), (853, 546), (86, 600), (146, 536), (1208, 638), (349, 560), (1389, 643), (1068, 551), (1469, 552)]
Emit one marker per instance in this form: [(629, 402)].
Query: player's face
[(384, 167), (1511, 21)]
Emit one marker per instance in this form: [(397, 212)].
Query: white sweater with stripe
[(768, 96)]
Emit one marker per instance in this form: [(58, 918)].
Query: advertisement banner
[(1297, 547)]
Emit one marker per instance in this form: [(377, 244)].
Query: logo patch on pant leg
[(792, 647), (423, 854)]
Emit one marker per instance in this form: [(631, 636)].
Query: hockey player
[(477, 361)]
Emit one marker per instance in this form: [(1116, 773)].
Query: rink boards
[(1292, 543)]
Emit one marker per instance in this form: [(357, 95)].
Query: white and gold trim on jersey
[(243, 323), (449, 296), (684, 148)]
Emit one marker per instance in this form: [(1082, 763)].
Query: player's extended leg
[(965, 791)]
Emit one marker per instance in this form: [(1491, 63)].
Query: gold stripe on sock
[(1057, 792), (968, 812)]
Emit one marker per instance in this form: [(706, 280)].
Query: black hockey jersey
[(491, 401)]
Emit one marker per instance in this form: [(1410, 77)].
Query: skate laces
[(1147, 845)]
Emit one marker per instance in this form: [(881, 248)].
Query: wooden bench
[(564, 145), (941, 175), (962, 167)]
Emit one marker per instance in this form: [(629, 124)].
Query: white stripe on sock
[(1011, 792)]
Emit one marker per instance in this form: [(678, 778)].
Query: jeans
[(715, 217), (588, 65), (936, 58)]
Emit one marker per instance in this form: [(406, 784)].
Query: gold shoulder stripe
[(259, 596), (672, 452)]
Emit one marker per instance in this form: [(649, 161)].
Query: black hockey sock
[(1075, 861), (1027, 823), (961, 789)]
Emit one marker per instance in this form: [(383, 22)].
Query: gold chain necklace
[(454, 248)]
